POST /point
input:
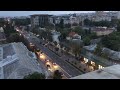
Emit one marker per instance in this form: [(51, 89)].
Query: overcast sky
[(26, 13)]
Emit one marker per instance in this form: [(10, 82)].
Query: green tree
[(55, 43), (76, 50), (98, 50), (21, 22), (35, 75), (57, 49), (93, 35), (61, 25), (87, 22), (86, 41), (67, 25), (57, 75), (75, 24), (14, 38), (112, 41), (79, 30)]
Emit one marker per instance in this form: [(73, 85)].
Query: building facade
[(40, 20), (102, 30)]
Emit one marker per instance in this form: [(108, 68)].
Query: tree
[(57, 75), (76, 51), (61, 25), (79, 30), (86, 41), (57, 49), (55, 43), (112, 41), (74, 24), (87, 22), (49, 26), (2, 22), (21, 22), (98, 50), (8, 30), (93, 35), (14, 38), (35, 75), (61, 46), (67, 25)]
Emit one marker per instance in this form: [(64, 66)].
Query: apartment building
[(40, 20)]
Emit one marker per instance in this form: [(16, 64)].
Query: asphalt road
[(69, 69)]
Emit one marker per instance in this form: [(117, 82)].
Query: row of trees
[(111, 23), (21, 22), (46, 34), (57, 75), (2, 22)]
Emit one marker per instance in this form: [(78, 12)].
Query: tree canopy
[(57, 75), (22, 22), (35, 75), (112, 41)]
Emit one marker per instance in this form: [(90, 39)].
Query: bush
[(35, 75)]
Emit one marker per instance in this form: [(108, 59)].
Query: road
[(68, 69)]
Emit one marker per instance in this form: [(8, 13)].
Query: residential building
[(102, 30), (16, 61), (40, 20), (73, 36), (55, 36), (66, 21), (57, 20), (74, 20)]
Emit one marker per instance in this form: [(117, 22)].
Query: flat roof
[(26, 64), (8, 50), (111, 72), (21, 64)]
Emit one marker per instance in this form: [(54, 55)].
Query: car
[(54, 64), (48, 67), (47, 60)]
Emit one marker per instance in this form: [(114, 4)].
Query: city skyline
[(27, 13)]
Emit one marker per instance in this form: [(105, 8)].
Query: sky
[(27, 13)]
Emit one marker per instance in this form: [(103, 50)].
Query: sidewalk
[(71, 59)]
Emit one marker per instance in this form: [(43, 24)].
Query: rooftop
[(8, 50), (20, 64), (111, 72), (115, 55)]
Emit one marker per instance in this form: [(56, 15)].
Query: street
[(68, 69)]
